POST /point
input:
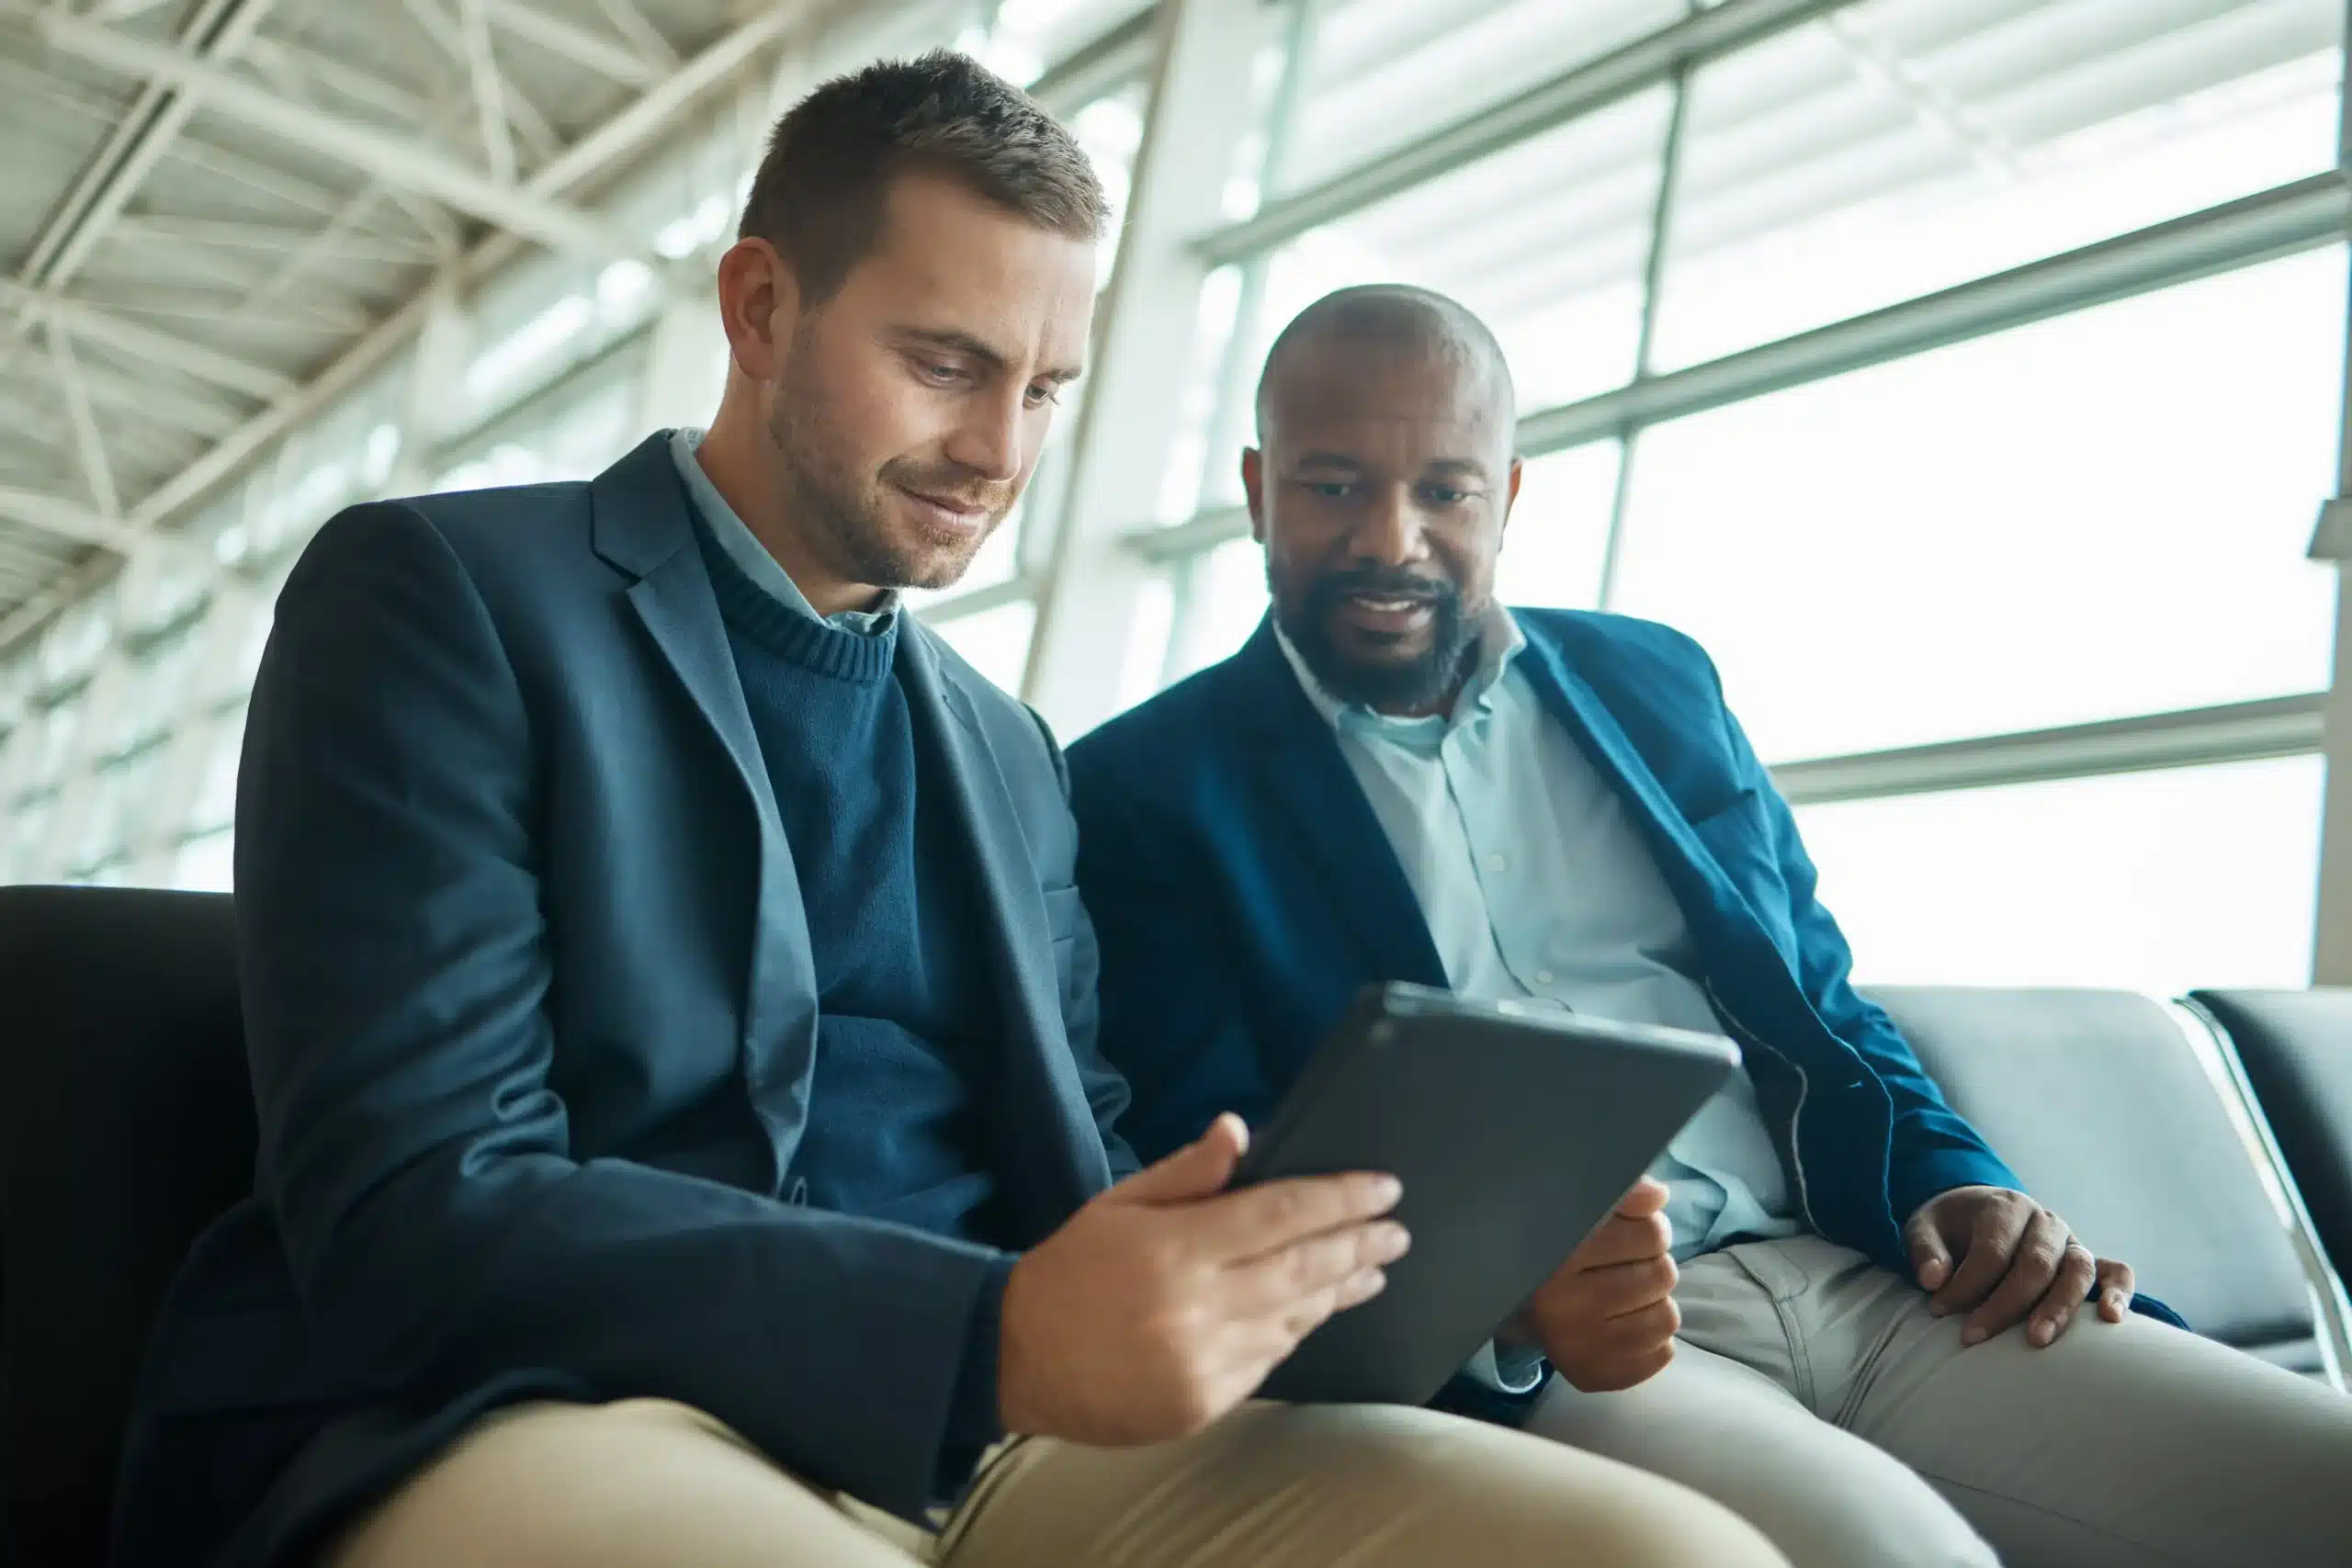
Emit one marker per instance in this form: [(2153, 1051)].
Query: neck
[(744, 467)]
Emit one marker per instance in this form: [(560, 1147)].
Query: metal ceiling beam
[(217, 31), (67, 520), (391, 158), (571, 41), (642, 35), (87, 444), (268, 239), (1641, 66), (192, 359)]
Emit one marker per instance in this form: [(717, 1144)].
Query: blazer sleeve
[(1106, 1090), (1172, 1015), (413, 1145), (1932, 1148)]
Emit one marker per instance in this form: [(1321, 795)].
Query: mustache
[(1382, 582), (948, 483)]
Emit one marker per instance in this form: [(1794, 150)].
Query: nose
[(1389, 531), (990, 441)]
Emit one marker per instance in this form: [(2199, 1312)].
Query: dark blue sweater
[(905, 1006)]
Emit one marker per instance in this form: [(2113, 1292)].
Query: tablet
[(1515, 1128)]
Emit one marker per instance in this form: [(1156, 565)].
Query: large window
[(2162, 881), (2101, 514)]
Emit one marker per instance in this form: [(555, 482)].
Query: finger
[(1642, 1198), (1305, 1315), (1233, 1227), (1196, 1170), (2033, 1265), (1640, 1331), (1275, 1281), (1930, 1258), (2066, 1294), (1623, 1239), (1626, 1288), (2117, 1286), (1991, 1242)]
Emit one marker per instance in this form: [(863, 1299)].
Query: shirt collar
[(1500, 642), (743, 547)]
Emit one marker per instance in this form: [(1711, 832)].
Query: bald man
[(1831, 1306)]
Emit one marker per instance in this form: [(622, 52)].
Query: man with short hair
[(1875, 1347), (681, 1135)]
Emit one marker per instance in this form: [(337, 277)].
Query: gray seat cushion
[(2297, 1049), (2100, 1104)]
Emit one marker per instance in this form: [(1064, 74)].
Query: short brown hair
[(819, 195)]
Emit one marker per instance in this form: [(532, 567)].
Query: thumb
[(1930, 1258), (1642, 1200), (1199, 1169)]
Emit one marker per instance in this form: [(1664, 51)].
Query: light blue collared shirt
[(1535, 884), (743, 547)]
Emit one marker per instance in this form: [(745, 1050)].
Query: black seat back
[(2296, 1048), (126, 1125), (2100, 1102)]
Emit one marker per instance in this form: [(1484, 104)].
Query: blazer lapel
[(641, 525), (1037, 1065), (1301, 768)]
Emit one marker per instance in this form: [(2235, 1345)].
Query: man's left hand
[(1999, 1255)]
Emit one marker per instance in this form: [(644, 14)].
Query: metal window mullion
[(1670, 183)]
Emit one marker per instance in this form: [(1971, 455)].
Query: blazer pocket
[(1062, 912)]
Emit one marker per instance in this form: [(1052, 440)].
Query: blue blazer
[(531, 1019), (1243, 890)]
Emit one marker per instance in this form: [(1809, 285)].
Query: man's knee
[(1374, 1487), (630, 1484)]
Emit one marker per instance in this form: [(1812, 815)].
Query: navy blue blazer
[(531, 1019), (1242, 890)]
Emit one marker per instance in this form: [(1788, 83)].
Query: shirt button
[(1542, 976), (1498, 862)]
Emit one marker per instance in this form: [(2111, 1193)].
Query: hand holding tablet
[(1515, 1131)]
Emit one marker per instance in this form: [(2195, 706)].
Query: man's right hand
[(1607, 1318), (1166, 1300)]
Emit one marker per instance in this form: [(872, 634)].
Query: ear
[(1511, 491), (759, 299), (1253, 486)]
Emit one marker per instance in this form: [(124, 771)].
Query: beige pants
[(1814, 1395), (647, 1482)]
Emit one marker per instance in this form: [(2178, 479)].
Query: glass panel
[(1388, 71), (206, 865), (994, 642), (2098, 515), (152, 697), (1559, 530), (1545, 241), (120, 799), (1222, 604), (2159, 882), (1894, 148), (36, 857), (215, 796)]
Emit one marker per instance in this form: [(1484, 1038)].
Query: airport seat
[(2100, 1102), (2296, 1049), (126, 1125)]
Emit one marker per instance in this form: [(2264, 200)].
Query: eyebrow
[(954, 340), (1449, 466)]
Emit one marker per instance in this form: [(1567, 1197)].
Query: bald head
[(1395, 321), (1381, 483)]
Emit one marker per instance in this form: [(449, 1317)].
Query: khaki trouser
[(646, 1482), (1814, 1395)]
